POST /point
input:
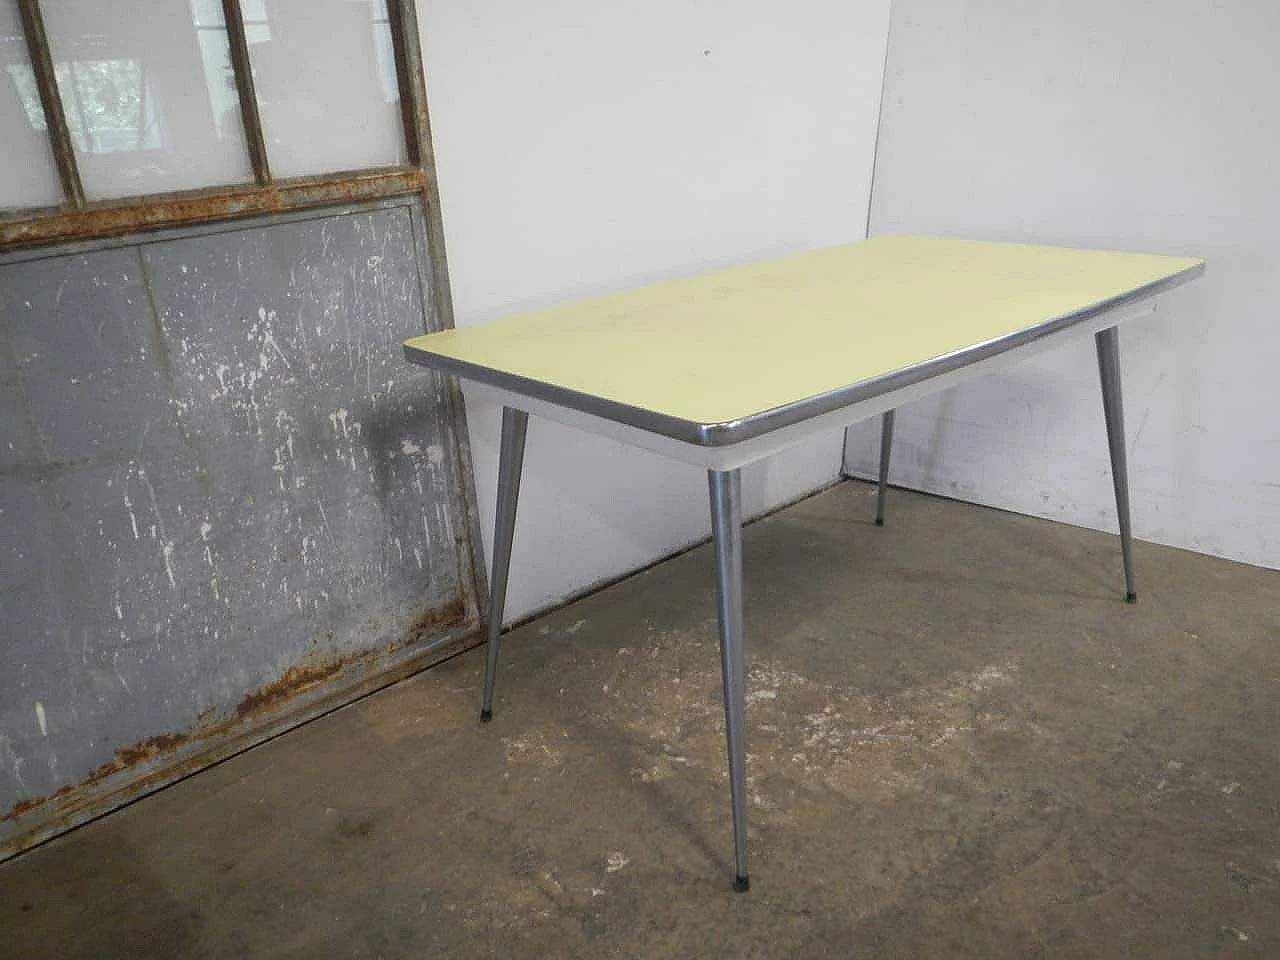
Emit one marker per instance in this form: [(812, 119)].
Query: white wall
[(1107, 124), (584, 147)]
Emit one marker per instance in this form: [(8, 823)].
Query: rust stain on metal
[(22, 806), (258, 708), (453, 612), (118, 218), (122, 759), (142, 750), (292, 682), (137, 753)]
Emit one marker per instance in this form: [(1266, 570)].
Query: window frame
[(77, 218)]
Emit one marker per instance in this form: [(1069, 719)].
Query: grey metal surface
[(515, 424), (1108, 344), (886, 449), (725, 487), (218, 488), (736, 431)]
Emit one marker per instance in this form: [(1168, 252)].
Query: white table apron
[(723, 464)]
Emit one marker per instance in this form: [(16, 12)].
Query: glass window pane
[(29, 177), (325, 78), (149, 94)]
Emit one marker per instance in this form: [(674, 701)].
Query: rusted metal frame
[(161, 761), (403, 17), (303, 692), (115, 218), (469, 544), (404, 79), (188, 231), (55, 120), (243, 70), (111, 218), (429, 237)]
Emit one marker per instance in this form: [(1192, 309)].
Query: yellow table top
[(726, 347)]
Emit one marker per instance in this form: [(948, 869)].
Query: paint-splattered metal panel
[(219, 485)]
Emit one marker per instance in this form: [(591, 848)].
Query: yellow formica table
[(723, 369)]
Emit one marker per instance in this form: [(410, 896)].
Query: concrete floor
[(962, 744)]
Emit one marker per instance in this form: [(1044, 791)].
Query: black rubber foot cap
[(741, 884), (879, 521), (486, 716), (1130, 598)]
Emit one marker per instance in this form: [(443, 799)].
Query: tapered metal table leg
[(886, 447), (726, 530), (510, 462), (1108, 342)]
